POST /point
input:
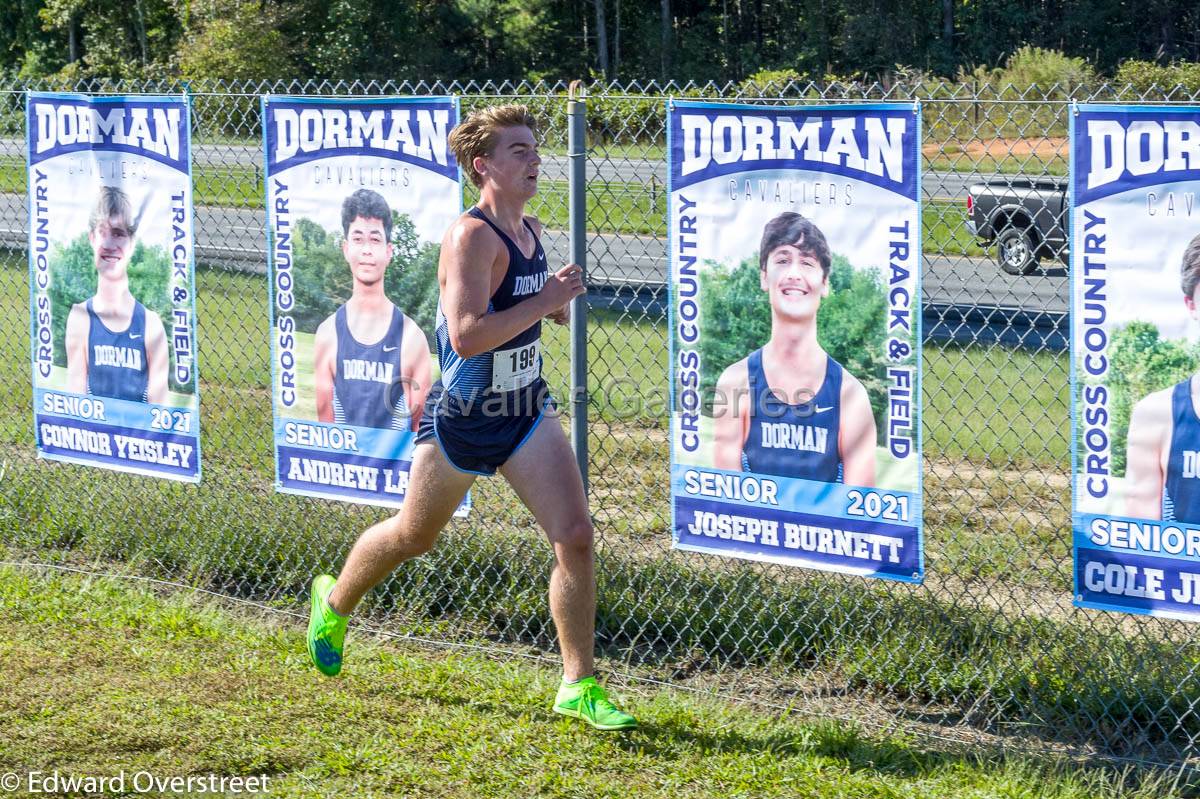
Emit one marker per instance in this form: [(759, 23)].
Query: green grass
[(671, 615), (999, 406), (996, 510), (104, 676), (950, 160), (945, 230)]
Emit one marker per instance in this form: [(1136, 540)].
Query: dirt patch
[(1046, 148)]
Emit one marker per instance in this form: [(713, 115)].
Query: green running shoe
[(326, 629), (586, 700)]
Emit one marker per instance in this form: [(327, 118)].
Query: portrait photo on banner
[(1135, 245), (796, 296), (359, 192), (112, 282)]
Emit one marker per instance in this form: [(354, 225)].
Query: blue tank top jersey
[(1181, 495), (368, 389), (525, 277), (799, 441), (117, 365)]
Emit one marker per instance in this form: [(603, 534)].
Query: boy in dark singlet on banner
[(488, 412), (789, 409), (1163, 454), (370, 361), (115, 346)]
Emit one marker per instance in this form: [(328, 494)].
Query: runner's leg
[(544, 475), (435, 489)]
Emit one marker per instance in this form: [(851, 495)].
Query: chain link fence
[(989, 651)]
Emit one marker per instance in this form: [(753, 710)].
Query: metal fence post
[(577, 189)]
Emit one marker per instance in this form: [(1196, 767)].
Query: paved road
[(236, 236), (651, 174)]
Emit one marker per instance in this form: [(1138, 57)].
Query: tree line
[(698, 40)]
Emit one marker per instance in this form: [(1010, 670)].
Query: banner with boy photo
[(359, 192), (112, 295), (795, 257), (1135, 389)]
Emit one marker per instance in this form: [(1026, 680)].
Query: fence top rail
[(797, 90)]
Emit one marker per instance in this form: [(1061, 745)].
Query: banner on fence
[(359, 193), (1135, 338), (795, 249), (111, 283)]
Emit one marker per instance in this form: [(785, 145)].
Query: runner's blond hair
[(476, 135)]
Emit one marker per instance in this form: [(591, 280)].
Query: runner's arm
[(468, 255), (559, 316), (418, 371), (731, 417)]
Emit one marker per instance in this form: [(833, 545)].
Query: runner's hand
[(560, 317), (563, 286)]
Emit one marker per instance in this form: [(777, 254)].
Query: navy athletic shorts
[(479, 435)]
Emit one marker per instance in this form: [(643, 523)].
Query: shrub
[(244, 43), (1051, 71), (1146, 76), (774, 83)]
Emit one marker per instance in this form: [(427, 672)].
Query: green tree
[(1141, 363), (25, 46), (316, 261), (73, 280), (236, 39), (411, 280), (850, 323), (109, 39)]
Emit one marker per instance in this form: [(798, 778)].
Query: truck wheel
[(1015, 251)]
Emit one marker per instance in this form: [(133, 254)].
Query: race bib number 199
[(517, 367)]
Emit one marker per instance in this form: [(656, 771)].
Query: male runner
[(789, 409), (115, 346), (1162, 472), (370, 361), (485, 413)]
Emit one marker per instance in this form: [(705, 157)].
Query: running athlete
[(488, 411), (1162, 473), (789, 409), (370, 361), (116, 347)]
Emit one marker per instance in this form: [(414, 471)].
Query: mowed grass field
[(104, 676), (991, 630)]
